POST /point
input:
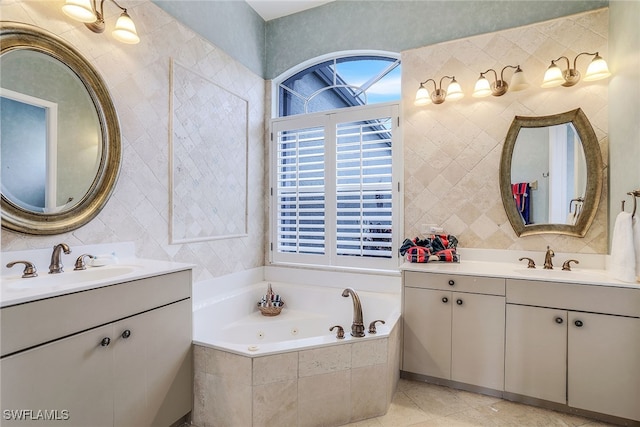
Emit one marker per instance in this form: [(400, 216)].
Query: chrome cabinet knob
[(445, 300), (126, 334), (559, 320), (105, 341), (459, 301)]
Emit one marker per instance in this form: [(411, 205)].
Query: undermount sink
[(45, 280), (559, 274)]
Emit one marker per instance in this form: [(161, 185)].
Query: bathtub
[(254, 370), (233, 323)]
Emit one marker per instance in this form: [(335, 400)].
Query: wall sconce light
[(453, 92), (499, 87), (87, 11), (554, 76)]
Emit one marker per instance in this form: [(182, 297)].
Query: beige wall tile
[(227, 402), (368, 391), (452, 150), (369, 352), (317, 393), (276, 368), (326, 359), (275, 404), (138, 78), (228, 365)]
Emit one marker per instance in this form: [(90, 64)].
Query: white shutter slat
[(300, 208), (364, 188)]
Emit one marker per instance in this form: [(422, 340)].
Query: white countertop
[(16, 290), (517, 271)]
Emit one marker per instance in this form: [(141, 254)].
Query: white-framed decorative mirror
[(60, 137), (551, 174)]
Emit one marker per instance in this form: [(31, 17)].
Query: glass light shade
[(422, 97), (482, 88), (553, 76), (518, 81), (454, 91), (125, 30), (597, 70), (80, 10)]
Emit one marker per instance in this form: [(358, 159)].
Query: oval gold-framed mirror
[(64, 133), (551, 174)]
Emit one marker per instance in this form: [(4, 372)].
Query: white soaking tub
[(289, 369)]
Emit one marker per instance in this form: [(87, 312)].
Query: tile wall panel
[(138, 79), (452, 150)]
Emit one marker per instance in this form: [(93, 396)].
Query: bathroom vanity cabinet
[(117, 355), (454, 328), (563, 345), (574, 344)]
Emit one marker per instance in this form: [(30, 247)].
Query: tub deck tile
[(275, 404), (325, 399), (324, 360), (275, 368)]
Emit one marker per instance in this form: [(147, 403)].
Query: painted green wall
[(232, 26), (399, 25), (624, 105), (270, 48)]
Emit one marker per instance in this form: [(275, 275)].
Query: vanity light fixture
[(554, 76), (499, 87), (87, 11), (453, 92)]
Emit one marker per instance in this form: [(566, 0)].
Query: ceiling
[(272, 9)]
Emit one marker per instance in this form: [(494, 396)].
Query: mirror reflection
[(50, 135), (60, 141), (549, 174)]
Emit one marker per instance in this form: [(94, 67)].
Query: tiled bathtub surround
[(452, 151), (330, 385)]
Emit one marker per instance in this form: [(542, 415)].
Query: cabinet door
[(73, 374), (604, 364), (153, 363), (427, 332), (536, 352), (477, 343)]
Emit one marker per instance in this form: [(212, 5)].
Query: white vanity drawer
[(53, 318), (455, 282), (578, 297)]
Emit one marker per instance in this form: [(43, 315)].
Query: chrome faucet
[(548, 264), (56, 258), (357, 327)]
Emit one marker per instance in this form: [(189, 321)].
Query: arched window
[(346, 80), (336, 171)]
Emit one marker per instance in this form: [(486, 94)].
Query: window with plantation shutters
[(300, 191), (364, 188), (335, 188)]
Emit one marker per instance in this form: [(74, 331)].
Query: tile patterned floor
[(418, 404)]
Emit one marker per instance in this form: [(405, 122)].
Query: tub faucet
[(357, 327), (56, 258), (548, 264)]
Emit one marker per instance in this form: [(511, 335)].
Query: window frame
[(329, 120), (335, 56)]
